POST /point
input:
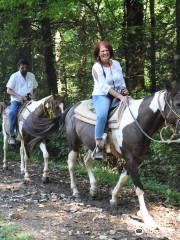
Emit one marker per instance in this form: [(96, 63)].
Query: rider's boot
[(98, 153)]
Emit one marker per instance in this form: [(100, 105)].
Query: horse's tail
[(62, 119)]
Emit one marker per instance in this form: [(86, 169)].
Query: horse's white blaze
[(117, 134), (157, 100), (72, 156), (61, 106), (115, 193)]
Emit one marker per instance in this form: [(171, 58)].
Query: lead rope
[(166, 127)]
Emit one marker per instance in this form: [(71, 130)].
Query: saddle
[(85, 112), (18, 117)]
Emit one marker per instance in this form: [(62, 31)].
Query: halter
[(48, 111), (167, 126)]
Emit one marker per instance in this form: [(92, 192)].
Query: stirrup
[(11, 140), (98, 153)]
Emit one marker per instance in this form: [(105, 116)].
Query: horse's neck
[(39, 111), (158, 102), (150, 116)]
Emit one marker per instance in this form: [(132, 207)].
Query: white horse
[(51, 106)]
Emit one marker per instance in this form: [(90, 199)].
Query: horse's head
[(172, 107), (53, 105)]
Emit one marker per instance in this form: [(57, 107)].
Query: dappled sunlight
[(11, 186)]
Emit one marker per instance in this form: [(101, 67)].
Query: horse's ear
[(173, 87), (64, 95), (53, 94)]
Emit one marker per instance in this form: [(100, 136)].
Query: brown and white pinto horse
[(48, 107), (128, 140)]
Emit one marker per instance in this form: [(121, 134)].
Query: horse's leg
[(148, 220), (5, 147), (25, 161), (89, 162), (133, 171), (116, 191), (72, 156), (22, 154), (43, 148)]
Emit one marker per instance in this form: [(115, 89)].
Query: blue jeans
[(12, 115), (101, 105)]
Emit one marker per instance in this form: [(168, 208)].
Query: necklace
[(104, 74)]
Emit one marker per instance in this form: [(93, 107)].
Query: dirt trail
[(49, 212)]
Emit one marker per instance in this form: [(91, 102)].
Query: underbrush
[(10, 231)]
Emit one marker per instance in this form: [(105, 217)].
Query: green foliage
[(80, 24), (9, 231), (139, 93), (163, 164)]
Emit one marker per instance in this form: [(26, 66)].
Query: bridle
[(167, 125), (48, 111), (171, 110)]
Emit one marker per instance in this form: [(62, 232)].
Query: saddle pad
[(6, 117), (85, 112)]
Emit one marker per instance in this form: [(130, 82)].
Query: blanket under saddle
[(86, 113)]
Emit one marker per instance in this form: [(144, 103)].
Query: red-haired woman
[(108, 83)]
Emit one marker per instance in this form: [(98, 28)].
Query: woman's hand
[(124, 91), (119, 96), (123, 99)]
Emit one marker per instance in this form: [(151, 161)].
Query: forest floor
[(49, 212)]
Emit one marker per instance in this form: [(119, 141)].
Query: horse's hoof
[(27, 180), (45, 180), (5, 168), (150, 223), (93, 193), (113, 204), (76, 196)]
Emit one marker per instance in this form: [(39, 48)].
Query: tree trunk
[(81, 74), (49, 56), (134, 44), (177, 56), (153, 49), (23, 46)]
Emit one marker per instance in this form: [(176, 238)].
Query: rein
[(164, 128), (24, 107)]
